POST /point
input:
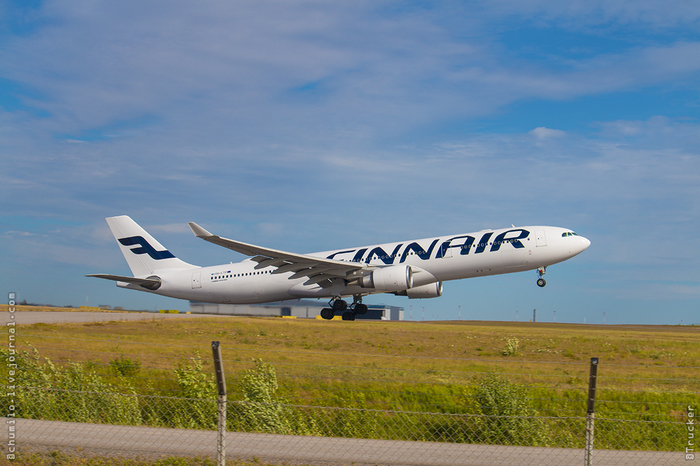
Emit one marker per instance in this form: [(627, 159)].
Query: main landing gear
[(339, 305), (541, 281)]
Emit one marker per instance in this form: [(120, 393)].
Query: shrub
[(198, 410), (511, 348), (261, 410), (125, 367), (509, 418), (193, 382), (73, 393)]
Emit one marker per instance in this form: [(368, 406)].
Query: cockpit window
[(568, 233)]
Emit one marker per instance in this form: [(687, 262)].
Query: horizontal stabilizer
[(148, 283)]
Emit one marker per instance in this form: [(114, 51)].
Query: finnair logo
[(466, 244), (145, 248)]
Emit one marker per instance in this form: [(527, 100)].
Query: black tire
[(327, 313), (541, 282), (348, 315), (360, 308), (340, 305)]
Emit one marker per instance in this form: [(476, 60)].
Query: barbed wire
[(638, 420)]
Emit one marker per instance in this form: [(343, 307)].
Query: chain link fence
[(88, 422), (123, 426)]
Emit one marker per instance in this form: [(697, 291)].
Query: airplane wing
[(317, 269)]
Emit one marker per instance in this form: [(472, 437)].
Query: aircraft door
[(541, 238), (446, 252), (196, 280)]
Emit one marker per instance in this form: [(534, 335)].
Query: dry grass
[(5, 307), (453, 352), (60, 458)]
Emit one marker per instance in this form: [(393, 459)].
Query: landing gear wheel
[(349, 315), (360, 308), (541, 271), (327, 313), (340, 305)]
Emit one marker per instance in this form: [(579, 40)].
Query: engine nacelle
[(431, 290), (394, 278)]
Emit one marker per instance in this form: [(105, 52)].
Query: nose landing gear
[(541, 282)]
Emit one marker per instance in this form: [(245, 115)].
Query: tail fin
[(142, 252)]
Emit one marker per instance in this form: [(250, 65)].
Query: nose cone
[(583, 244)]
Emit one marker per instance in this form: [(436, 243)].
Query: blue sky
[(311, 126)]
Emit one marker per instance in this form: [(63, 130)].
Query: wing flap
[(269, 263), (316, 279)]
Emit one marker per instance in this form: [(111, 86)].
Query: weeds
[(511, 348), (126, 367), (57, 458), (262, 411), (510, 417)]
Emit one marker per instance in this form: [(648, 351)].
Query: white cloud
[(377, 73), (606, 14), (547, 133)]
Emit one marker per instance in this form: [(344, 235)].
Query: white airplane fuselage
[(430, 262)]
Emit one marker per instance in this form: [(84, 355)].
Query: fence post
[(221, 385), (590, 412)]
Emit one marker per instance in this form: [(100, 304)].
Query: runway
[(64, 317), (130, 442)]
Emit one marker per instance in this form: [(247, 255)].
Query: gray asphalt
[(61, 317), (125, 441)]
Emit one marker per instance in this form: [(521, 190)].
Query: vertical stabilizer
[(142, 252)]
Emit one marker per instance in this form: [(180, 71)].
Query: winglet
[(198, 231)]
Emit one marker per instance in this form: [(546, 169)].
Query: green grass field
[(651, 359)]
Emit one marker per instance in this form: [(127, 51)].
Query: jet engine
[(431, 290), (394, 278)]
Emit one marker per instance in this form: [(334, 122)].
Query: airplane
[(414, 268)]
